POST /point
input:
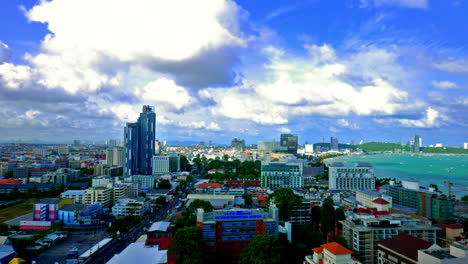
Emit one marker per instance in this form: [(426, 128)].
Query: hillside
[(377, 146)]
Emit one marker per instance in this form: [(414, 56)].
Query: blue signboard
[(246, 215)]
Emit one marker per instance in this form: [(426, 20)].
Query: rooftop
[(209, 185), (337, 249), (139, 252), (406, 245), (159, 226), (380, 201), (74, 207)]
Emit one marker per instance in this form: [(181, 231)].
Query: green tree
[(247, 198), (164, 184), (4, 228), (197, 203), (186, 218), (189, 178), (161, 201), (315, 218), (264, 249), (285, 199), (436, 188), (184, 163), (327, 218), (197, 161), (187, 246), (339, 215)]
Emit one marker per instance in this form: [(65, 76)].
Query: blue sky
[(372, 70)]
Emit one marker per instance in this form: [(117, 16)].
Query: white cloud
[(13, 76), (160, 119), (401, 3), (236, 105), (321, 90), (284, 130), (333, 129), (344, 123), (430, 120), (125, 112), (164, 91), (5, 52), (455, 66), (444, 84), (92, 42), (323, 53), (201, 124)]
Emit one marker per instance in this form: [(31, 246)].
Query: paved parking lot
[(58, 252)]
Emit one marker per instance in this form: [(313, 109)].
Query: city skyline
[(369, 70)]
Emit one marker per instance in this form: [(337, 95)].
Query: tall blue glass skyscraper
[(139, 139)]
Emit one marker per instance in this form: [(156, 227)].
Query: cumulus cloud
[(313, 88), (13, 76), (431, 119), (249, 107), (323, 53), (5, 52), (86, 54), (400, 3), (202, 124), (164, 91), (344, 123), (444, 84)]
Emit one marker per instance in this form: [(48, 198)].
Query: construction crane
[(449, 184)]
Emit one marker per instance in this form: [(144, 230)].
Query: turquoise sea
[(426, 169)]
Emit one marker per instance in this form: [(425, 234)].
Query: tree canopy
[(187, 246), (164, 184), (285, 199), (264, 249)]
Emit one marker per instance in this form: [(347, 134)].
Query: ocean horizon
[(427, 169)]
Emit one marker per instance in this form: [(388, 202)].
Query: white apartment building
[(331, 253), (160, 164), (282, 175), (101, 195), (126, 207), (114, 157), (367, 198), (359, 177), (77, 195)]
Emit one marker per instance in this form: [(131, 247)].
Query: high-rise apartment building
[(426, 202), (334, 144), (238, 144), (282, 175), (269, 145), (139, 140), (417, 144), (112, 143), (363, 232), (288, 142), (359, 177), (115, 157)]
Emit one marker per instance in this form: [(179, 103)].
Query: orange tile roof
[(336, 249), (318, 250), (209, 184)]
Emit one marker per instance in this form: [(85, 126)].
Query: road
[(118, 245)]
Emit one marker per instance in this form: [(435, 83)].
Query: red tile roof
[(261, 198), (455, 226), (406, 245), (208, 185), (380, 201), (337, 249), (318, 250)]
